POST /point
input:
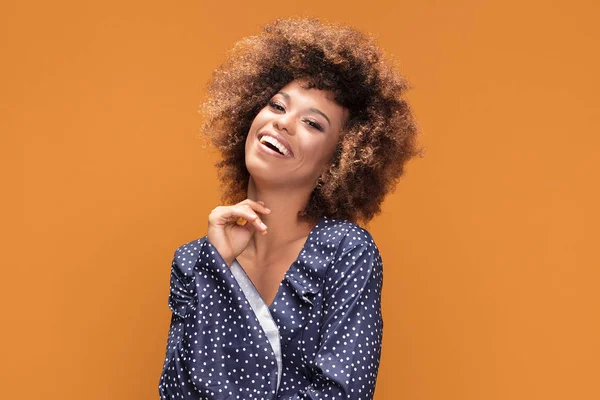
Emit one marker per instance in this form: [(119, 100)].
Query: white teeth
[(276, 143)]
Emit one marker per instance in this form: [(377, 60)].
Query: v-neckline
[(289, 269)]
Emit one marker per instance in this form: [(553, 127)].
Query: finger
[(252, 205), (258, 206), (256, 224), (223, 215), (250, 227), (246, 213)]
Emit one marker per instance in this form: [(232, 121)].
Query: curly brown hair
[(379, 136)]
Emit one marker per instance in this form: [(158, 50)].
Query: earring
[(319, 183)]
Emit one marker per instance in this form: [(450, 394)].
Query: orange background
[(489, 243)]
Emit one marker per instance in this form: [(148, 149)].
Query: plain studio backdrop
[(489, 243)]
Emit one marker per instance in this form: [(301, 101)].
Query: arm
[(181, 290), (182, 299), (215, 346), (347, 361)]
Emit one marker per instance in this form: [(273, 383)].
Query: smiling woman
[(377, 140), (296, 121), (286, 304)]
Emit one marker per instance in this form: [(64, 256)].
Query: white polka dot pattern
[(327, 308)]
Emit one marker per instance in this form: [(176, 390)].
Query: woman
[(281, 298)]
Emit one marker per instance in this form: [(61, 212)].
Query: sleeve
[(215, 347), (181, 289), (181, 299), (347, 360)]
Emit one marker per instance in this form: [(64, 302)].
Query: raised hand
[(227, 234)]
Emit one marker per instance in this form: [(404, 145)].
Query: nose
[(284, 122)]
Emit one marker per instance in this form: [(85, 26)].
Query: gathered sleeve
[(216, 348), (181, 290), (348, 354)]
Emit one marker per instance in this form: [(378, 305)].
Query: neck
[(283, 225)]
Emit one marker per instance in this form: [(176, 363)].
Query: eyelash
[(276, 106), (314, 124), (310, 122)]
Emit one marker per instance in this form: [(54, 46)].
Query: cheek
[(255, 125), (260, 117), (319, 152), (330, 151)]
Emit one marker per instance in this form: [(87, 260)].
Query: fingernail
[(263, 225)]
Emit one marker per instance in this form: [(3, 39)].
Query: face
[(292, 139)]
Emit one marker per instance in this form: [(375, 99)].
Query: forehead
[(301, 88)]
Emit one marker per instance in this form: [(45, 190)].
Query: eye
[(314, 124), (276, 106)]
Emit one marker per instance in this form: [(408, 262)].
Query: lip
[(281, 140)]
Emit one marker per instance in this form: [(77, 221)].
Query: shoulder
[(356, 263), (350, 245), (344, 235)]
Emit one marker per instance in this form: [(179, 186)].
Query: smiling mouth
[(269, 145), (274, 145)]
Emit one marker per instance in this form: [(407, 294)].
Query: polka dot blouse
[(327, 312)]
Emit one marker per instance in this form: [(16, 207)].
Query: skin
[(311, 123)]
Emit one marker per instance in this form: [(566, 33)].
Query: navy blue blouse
[(327, 310)]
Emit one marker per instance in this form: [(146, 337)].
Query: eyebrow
[(287, 96)]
